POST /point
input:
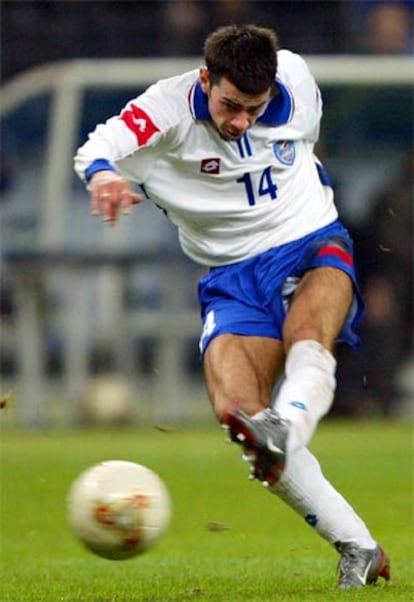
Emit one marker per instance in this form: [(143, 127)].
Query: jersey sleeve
[(139, 131), (295, 73)]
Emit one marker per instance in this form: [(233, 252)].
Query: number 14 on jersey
[(266, 186)]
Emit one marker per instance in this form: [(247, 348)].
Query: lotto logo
[(140, 123), (210, 166)]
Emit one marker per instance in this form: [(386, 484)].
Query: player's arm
[(96, 160)]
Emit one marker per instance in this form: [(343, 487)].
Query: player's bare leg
[(319, 307), (241, 373)]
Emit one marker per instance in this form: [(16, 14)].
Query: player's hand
[(110, 194)]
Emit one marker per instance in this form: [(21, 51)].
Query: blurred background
[(101, 325)]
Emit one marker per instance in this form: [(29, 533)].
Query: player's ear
[(205, 80)]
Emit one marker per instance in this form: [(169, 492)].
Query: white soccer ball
[(118, 509), (108, 399)]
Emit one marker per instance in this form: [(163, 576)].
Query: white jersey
[(229, 199)]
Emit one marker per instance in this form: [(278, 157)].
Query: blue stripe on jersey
[(98, 165), (243, 144), (200, 103), (280, 108), (323, 175), (247, 143)]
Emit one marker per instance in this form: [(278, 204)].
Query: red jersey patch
[(140, 123)]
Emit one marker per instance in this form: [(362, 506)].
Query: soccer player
[(227, 152)]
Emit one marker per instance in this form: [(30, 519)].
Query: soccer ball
[(107, 400), (118, 509)]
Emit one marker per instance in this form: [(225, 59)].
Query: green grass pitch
[(263, 552)]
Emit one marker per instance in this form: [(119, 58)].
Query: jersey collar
[(278, 111)]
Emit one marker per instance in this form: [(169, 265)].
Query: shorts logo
[(210, 166), (139, 123), (285, 152), (208, 329)]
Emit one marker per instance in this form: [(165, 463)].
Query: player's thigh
[(319, 307), (241, 371)]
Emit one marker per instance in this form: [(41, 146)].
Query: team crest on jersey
[(210, 166), (139, 123), (285, 151)]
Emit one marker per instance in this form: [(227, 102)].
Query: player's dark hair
[(244, 54)]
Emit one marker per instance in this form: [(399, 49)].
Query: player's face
[(232, 111)]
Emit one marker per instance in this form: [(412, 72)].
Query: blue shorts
[(252, 297)]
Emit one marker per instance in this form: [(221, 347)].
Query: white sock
[(307, 392), (305, 489)]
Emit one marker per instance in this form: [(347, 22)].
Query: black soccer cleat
[(264, 442)]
